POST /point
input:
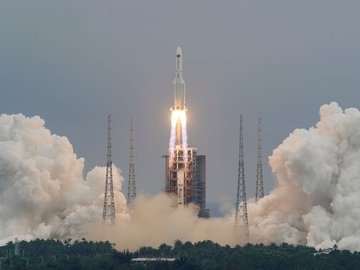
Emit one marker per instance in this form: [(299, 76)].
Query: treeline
[(55, 254)]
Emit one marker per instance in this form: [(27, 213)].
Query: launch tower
[(185, 169)]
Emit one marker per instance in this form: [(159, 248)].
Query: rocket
[(178, 149), (179, 83), (179, 109)]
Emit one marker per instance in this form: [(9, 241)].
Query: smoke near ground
[(153, 221), (43, 193), (318, 194), (42, 190)]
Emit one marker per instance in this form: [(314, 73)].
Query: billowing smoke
[(154, 220), (42, 190), (43, 193), (318, 194)]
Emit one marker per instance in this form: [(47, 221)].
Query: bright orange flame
[(178, 116)]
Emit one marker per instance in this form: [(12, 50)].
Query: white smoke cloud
[(154, 220), (43, 193), (318, 173)]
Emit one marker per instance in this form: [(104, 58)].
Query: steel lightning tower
[(259, 170), (131, 195), (241, 217), (109, 204), (185, 169)]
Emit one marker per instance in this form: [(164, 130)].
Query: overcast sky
[(73, 62)]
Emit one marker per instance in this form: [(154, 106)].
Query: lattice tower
[(109, 204), (131, 195), (241, 216), (259, 170)]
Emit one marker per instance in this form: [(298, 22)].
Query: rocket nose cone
[(178, 52)]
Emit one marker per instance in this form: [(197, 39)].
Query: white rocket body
[(179, 83)]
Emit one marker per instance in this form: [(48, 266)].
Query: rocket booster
[(179, 83)]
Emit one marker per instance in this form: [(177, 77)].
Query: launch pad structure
[(187, 178), (185, 170)]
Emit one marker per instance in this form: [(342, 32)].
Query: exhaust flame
[(178, 117)]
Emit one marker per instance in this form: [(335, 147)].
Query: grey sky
[(72, 62)]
